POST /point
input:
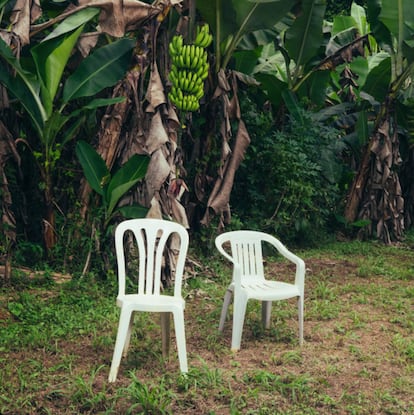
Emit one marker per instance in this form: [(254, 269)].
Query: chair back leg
[(266, 313), (224, 309)]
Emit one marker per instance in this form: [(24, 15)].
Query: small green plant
[(148, 398), (85, 395), (112, 188)]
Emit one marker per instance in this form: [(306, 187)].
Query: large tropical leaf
[(231, 20), (72, 22), (378, 80), (52, 54), (304, 38), (272, 86), (51, 58), (315, 87), (24, 95), (398, 17), (133, 211), (24, 85), (93, 166), (253, 15), (100, 70), (126, 177)]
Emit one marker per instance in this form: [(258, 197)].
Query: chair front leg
[(180, 338), (239, 311), (300, 312), (123, 326)]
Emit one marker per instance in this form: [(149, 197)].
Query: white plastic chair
[(151, 237), (248, 282)]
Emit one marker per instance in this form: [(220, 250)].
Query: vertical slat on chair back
[(247, 252), (151, 237), (151, 245)]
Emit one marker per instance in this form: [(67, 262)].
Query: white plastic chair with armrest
[(249, 282), (151, 237)]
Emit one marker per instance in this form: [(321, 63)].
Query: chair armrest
[(300, 264)]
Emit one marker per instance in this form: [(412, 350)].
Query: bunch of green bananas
[(189, 69)]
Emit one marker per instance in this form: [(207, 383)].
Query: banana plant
[(40, 87), (111, 188), (376, 191)]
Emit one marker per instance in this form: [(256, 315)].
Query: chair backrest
[(246, 253), (153, 239)]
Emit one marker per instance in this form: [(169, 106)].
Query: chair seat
[(270, 290), (157, 303)]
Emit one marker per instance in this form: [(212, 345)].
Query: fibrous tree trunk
[(376, 193), (8, 223)]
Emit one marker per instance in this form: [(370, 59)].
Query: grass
[(56, 344)]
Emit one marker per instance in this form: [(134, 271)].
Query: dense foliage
[(288, 182), (325, 92)]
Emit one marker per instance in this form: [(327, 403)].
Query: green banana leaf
[(378, 80), (231, 20), (272, 86), (26, 98), (96, 103), (51, 58), (315, 87), (127, 176), (72, 22), (100, 70), (24, 86), (260, 14), (397, 16), (304, 38), (53, 52), (93, 166), (133, 211)]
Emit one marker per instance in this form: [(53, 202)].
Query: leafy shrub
[(287, 184)]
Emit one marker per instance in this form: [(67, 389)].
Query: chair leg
[(165, 335), (226, 303), (239, 311), (300, 312), (128, 336), (180, 337), (266, 313), (124, 322)]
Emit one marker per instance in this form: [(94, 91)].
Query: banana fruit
[(189, 69)]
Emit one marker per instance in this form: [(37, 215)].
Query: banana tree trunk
[(49, 220), (375, 194)]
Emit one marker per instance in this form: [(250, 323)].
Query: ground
[(357, 358)]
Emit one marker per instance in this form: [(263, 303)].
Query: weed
[(148, 398), (85, 395)]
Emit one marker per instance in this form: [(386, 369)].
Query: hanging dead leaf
[(155, 92), (24, 13), (157, 173), (157, 136), (118, 17)]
